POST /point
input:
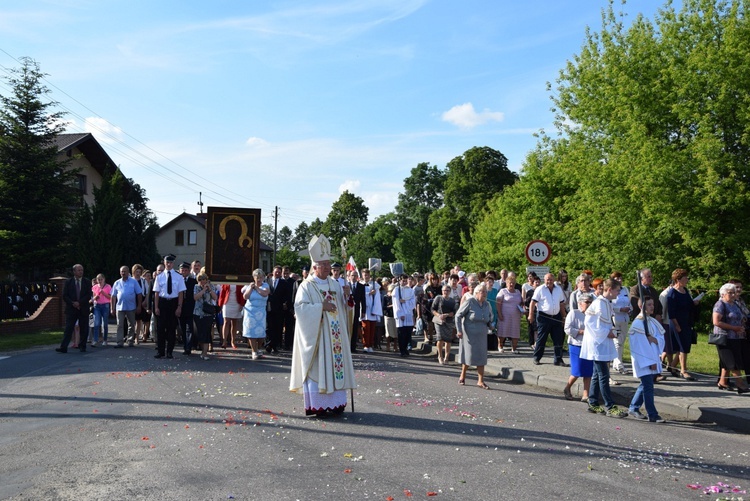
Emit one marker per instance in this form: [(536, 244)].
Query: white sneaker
[(501, 350), (254, 356), (104, 343)]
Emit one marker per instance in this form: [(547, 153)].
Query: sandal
[(461, 382), (686, 376), (483, 386), (568, 394)]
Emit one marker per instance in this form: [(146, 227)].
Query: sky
[(284, 104)]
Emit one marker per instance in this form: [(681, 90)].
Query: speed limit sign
[(538, 252)]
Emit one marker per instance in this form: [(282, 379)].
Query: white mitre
[(320, 248)]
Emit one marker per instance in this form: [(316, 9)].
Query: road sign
[(538, 252), (539, 270)]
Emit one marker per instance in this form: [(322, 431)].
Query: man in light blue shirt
[(126, 299)]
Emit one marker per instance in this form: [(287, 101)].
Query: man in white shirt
[(548, 303), (169, 291)]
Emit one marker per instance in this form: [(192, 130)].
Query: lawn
[(15, 342)]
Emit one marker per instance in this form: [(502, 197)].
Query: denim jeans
[(101, 319), (644, 395), (600, 383)]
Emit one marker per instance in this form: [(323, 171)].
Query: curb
[(684, 408)]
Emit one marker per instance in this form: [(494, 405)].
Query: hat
[(305, 268), (461, 274), (170, 257), (320, 248), (185, 265), (335, 265)]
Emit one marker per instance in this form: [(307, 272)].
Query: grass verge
[(15, 342)]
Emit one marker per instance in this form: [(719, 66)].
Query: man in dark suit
[(188, 305), (289, 319), (358, 295), (77, 297), (278, 303)]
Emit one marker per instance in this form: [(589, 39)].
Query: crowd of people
[(590, 318)]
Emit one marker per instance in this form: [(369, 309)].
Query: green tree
[(472, 180), (301, 237), (288, 257), (348, 217), (266, 234), (284, 237), (39, 195), (653, 160), (118, 230), (423, 194), (315, 228)]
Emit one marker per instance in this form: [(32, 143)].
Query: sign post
[(537, 253)]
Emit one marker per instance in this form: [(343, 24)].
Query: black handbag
[(209, 309), (717, 339)]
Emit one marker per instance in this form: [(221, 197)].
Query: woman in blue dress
[(254, 321)]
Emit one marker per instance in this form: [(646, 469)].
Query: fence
[(21, 300)]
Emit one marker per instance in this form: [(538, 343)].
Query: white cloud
[(350, 185), (104, 131), (380, 202), (466, 117), (256, 142)]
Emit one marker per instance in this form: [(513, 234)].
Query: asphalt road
[(117, 424)]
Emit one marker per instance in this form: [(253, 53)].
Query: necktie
[(78, 288), (169, 283), (275, 283)]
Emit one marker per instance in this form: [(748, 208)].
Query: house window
[(192, 237), (179, 237), (82, 184)]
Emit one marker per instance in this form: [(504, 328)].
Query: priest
[(322, 368)]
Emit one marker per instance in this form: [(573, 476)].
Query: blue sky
[(276, 103)]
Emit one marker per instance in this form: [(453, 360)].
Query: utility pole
[(275, 233), (200, 201)]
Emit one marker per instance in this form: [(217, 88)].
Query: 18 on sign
[(538, 252)]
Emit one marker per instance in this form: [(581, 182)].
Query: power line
[(139, 159), (137, 152)]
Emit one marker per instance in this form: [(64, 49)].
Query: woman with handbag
[(729, 337), (254, 322), (443, 310), (203, 312)]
